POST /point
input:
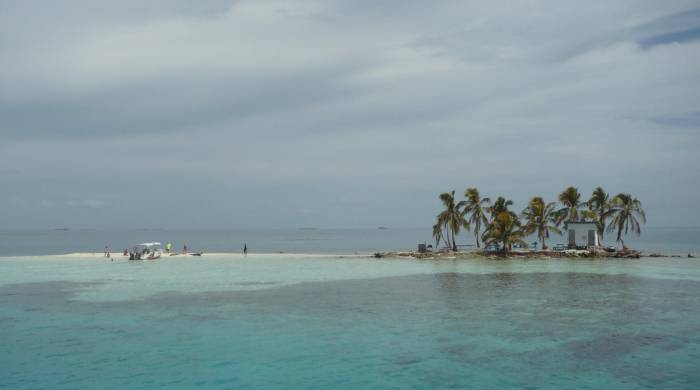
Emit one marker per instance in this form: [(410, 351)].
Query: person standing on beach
[(169, 247), (184, 249), (245, 249)]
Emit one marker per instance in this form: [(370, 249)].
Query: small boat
[(559, 247), (186, 254), (146, 251)]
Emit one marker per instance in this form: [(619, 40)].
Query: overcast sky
[(257, 114)]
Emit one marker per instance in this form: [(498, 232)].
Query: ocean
[(304, 319), (49, 242)]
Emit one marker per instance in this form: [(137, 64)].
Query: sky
[(285, 114)]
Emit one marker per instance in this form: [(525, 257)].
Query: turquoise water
[(291, 321)]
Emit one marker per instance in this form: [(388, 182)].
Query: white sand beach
[(190, 256)]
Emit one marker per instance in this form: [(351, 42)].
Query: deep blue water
[(543, 330), (47, 242)]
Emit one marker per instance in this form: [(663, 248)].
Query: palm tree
[(437, 235), (475, 210), (599, 206), (501, 206), (451, 217), (504, 229), (626, 212), (541, 218), (570, 198)]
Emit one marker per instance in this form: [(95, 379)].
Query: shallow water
[(301, 321)]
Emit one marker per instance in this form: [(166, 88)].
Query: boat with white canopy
[(146, 251)]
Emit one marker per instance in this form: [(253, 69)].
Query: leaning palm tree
[(570, 198), (451, 217), (504, 229), (475, 209), (626, 212), (599, 205), (541, 219)]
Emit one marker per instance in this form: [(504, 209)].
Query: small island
[(503, 231)]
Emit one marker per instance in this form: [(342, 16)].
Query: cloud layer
[(346, 114)]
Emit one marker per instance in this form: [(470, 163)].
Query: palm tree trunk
[(447, 236), (454, 243)]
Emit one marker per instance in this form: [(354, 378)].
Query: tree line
[(495, 223)]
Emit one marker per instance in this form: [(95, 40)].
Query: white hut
[(582, 234)]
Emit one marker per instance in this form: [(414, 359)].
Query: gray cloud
[(684, 121), (285, 114), (689, 35)]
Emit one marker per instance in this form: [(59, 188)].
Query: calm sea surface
[(47, 242), (330, 321)]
